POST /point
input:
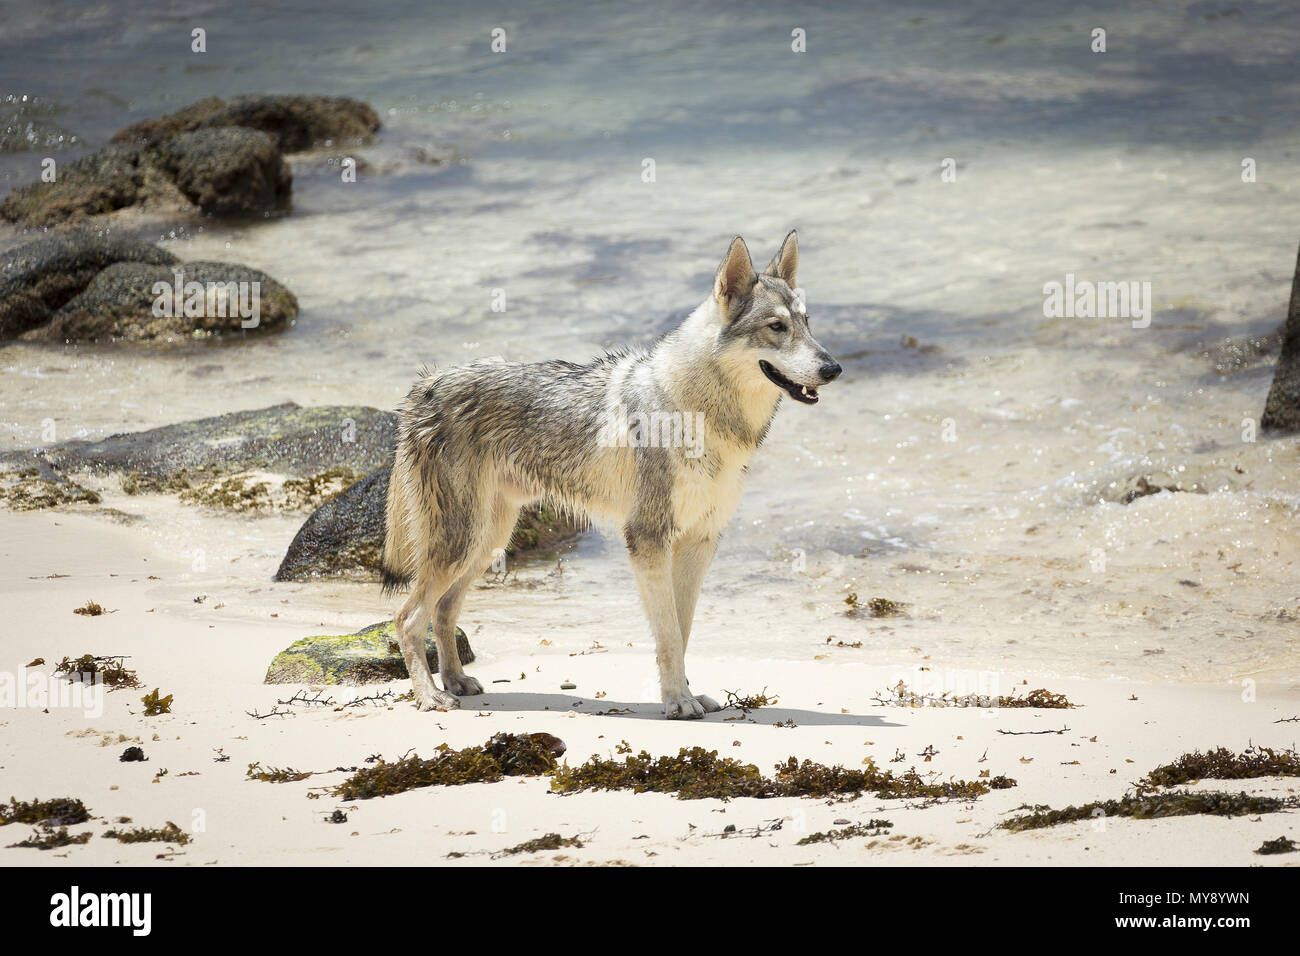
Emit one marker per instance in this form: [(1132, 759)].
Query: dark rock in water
[(224, 171), (227, 172), (345, 536), (1282, 407), (284, 439), (110, 179), (342, 536), (370, 656), (295, 122), (119, 304), (40, 277)]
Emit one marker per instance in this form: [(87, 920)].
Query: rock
[(370, 656), (120, 303), (227, 172), (342, 537), (107, 180), (40, 277), (1282, 407), (283, 439), (345, 536), (295, 122)]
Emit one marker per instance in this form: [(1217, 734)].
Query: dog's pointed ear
[(785, 264), (735, 277)]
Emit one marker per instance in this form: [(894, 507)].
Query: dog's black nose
[(831, 371)]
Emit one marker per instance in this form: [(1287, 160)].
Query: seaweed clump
[(900, 695), (748, 702), (876, 607), (60, 812), (276, 774), (52, 839), (551, 841), (505, 755), (1280, 845), (1177, 803), (168, 833), (698, 773), (871, 828), (154, 705), (1222, 764), (111, 671)]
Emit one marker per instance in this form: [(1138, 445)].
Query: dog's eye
[(777, 326)]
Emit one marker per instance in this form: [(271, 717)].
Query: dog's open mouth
[(800, 393)]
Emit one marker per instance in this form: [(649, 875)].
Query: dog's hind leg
[(411, 624), (494, 534)]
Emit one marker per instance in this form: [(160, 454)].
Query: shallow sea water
[(967, 462)]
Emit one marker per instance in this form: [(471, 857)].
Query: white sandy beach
[(214, 663)]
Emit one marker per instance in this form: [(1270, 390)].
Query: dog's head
[(765, 323)]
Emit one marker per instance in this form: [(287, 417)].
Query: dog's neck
[(699, 376)]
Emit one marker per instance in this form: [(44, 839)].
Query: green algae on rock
[(371, 655)]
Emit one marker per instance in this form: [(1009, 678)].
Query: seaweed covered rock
[(1282, 407), (39, 278), (123, 303), (283, 439), (370, 656), (227, 172), (295, 122), (345, 536)]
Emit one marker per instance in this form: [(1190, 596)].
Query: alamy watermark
[(214, 300), (656, 429), (40, 691), (1098, 300)]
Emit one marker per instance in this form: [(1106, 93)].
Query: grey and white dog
[(655, 440)]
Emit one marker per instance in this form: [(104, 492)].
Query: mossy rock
[(370, 656)]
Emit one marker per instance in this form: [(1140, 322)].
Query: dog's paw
[(686, 707), (434, 699), (462, 685), (710, 705)]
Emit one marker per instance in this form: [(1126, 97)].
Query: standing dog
[(656, 440)]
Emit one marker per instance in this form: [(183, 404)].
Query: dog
[(656, 440)]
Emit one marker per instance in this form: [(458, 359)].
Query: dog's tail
[(397, 563)]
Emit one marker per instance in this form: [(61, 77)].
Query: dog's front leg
[(652, 563)]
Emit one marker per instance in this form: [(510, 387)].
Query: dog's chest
[(707, 492)]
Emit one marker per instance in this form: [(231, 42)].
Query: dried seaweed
[(154, 705), (1222, 764), (51, 839), (551, 841), (505, 755), (61, 811), (167, 833), (698, 773), (1176, 803), (869, 829), (275, 774), (111, 669)]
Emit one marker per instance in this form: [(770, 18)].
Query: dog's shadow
[(507, 701)]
